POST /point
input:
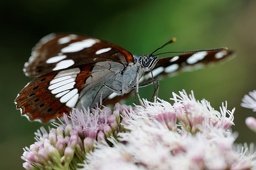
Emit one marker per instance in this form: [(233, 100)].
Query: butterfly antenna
[(156, 86), (193, 51), (165, 44)]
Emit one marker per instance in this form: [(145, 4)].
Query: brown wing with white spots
[(57, 52), (170, 66), (50, 95)]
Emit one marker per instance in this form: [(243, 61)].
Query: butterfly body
[(76, 71), (108, 77)]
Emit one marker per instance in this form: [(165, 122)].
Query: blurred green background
[(140, 27)]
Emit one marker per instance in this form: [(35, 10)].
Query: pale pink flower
[(188, 134), (64, 146), (249, 101), (251, 123)]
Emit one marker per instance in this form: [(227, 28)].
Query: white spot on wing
[(26, 64), (63, 64), (61, 93), (57, 80), (78, 46), (62, 84), (171, 68), (103, 50), (142, 79), (157, 71), (63, 88), (196, 57), (56, 85), (221, 54), (112, 95), (67, 39), (55, 59), (43, 40), (72, 71), (72, 102), (175, 58), (47, 38), (68, 96)]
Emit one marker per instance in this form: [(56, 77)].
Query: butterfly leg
[(119, 92), (156, 90), (101, 98), (137, 92), (155, 83)]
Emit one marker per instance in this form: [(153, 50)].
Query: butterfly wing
[(50, 95), (37, 102), (68, 74), (170, 66), (57, 52)]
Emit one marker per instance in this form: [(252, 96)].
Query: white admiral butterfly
[(77, 71)]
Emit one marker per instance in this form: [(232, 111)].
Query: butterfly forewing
[(57, 52), (170, 66)]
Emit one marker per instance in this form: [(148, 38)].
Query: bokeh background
[(140, 27)]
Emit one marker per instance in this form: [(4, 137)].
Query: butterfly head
[(147, 62)]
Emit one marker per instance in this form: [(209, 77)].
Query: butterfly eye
[(148, 61)]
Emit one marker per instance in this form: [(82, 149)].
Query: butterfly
[(73, 71)]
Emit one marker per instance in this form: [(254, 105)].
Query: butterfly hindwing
[(37, 102), (50, 95)]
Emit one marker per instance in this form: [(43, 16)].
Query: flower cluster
[(187, 134), (66, 144)]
